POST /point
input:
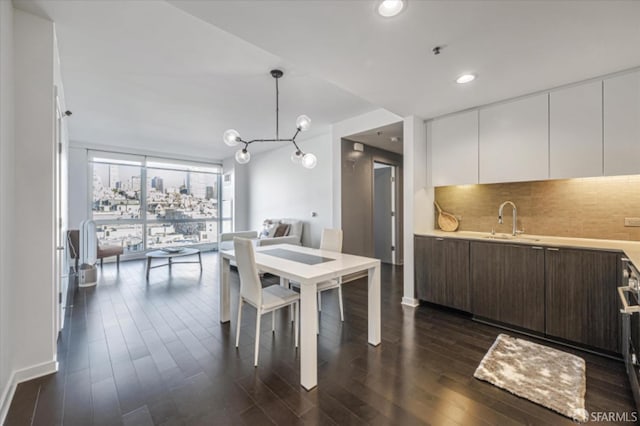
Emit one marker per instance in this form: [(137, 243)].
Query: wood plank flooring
[(155, 354)]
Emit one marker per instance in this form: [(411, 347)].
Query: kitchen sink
[(510, 238)]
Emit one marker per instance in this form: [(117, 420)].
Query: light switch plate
[(632, 221)]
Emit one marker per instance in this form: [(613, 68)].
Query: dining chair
[(331, 240), (265, 300)]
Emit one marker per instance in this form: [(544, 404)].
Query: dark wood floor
[(138, 354)]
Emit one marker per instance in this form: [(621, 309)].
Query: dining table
[(308, 266)]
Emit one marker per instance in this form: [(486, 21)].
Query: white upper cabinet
[(622, 124), (575, 131), (454, 149), (514, 140)]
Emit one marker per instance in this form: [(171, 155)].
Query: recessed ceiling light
[(465, 78), (389, 8)]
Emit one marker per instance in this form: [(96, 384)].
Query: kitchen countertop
[(630, 248)]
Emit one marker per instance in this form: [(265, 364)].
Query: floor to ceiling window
[(145, 203)]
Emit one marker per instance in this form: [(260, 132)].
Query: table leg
[(374, 306), (148, 267), (308, 338), (169, 265), (200, 260), (224, 294)]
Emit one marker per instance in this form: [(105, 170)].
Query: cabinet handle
[(536, 248), (439, 239), (553, 249)]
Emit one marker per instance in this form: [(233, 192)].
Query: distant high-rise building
[(157, 184), (210, 194), (197, 184), (135, 183), (114, 176)]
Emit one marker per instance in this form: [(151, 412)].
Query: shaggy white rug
[(546, 376)]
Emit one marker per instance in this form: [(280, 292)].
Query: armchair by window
[(109, 251), (73, 237)]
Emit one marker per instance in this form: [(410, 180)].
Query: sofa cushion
[(296, 228)]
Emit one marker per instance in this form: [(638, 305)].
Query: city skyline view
[(181, 206)]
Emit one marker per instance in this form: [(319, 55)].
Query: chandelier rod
[(277, 109)]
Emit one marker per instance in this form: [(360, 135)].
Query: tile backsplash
[(584, 207)]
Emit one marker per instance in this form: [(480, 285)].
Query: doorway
[(384, 211)]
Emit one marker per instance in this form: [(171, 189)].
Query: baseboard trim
[(20, 376), (410, 301)]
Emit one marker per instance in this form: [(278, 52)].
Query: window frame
[(142, 161)]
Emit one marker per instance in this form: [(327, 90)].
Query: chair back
[(73, 238), (331, 240), (250, 285)]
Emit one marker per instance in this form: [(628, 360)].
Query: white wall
[(6, 201), (277, 188), (34, 298), (418, 199)]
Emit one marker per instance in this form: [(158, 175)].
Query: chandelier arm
[(296, 145), (267, 140)]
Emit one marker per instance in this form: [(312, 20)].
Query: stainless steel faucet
[(515, 216)]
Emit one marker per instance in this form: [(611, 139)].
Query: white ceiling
[(381, 137), (515, 47), (147, 76)]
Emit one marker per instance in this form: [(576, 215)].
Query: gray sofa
[(293, 235)]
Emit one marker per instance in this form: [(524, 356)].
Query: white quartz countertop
[(631, 249)]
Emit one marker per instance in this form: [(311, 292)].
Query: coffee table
[(161, 254)]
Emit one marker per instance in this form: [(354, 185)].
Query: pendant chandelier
[(232, 138)]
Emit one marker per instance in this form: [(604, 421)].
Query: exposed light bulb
[(389, 8), (303, 123), (465, 78), (309, 161), (231, 137), (243, 156), (296, 157)]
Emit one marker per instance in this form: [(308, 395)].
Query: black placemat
[(307, 259)]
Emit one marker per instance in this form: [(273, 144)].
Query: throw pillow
[(282, 230), (269, 231)]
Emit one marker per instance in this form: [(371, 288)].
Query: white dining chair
[(331, 240), (265, 300)]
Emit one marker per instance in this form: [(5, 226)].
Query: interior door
[(383, 205), (61, 277)]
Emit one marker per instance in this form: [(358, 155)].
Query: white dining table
[(308, 266)]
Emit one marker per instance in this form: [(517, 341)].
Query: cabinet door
[(575, 131), (442, 271), (622, 124), (422, 249), (581, 297), (507, 284), (454, 149), (452, 255), (514, 140)]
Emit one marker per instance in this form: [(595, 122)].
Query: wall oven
[(629, 294)]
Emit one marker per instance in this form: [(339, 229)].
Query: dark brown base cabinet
[(442, 271), (581, 297), (507, 284), (565, 293)]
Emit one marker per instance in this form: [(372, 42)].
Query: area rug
[(546, 376)]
